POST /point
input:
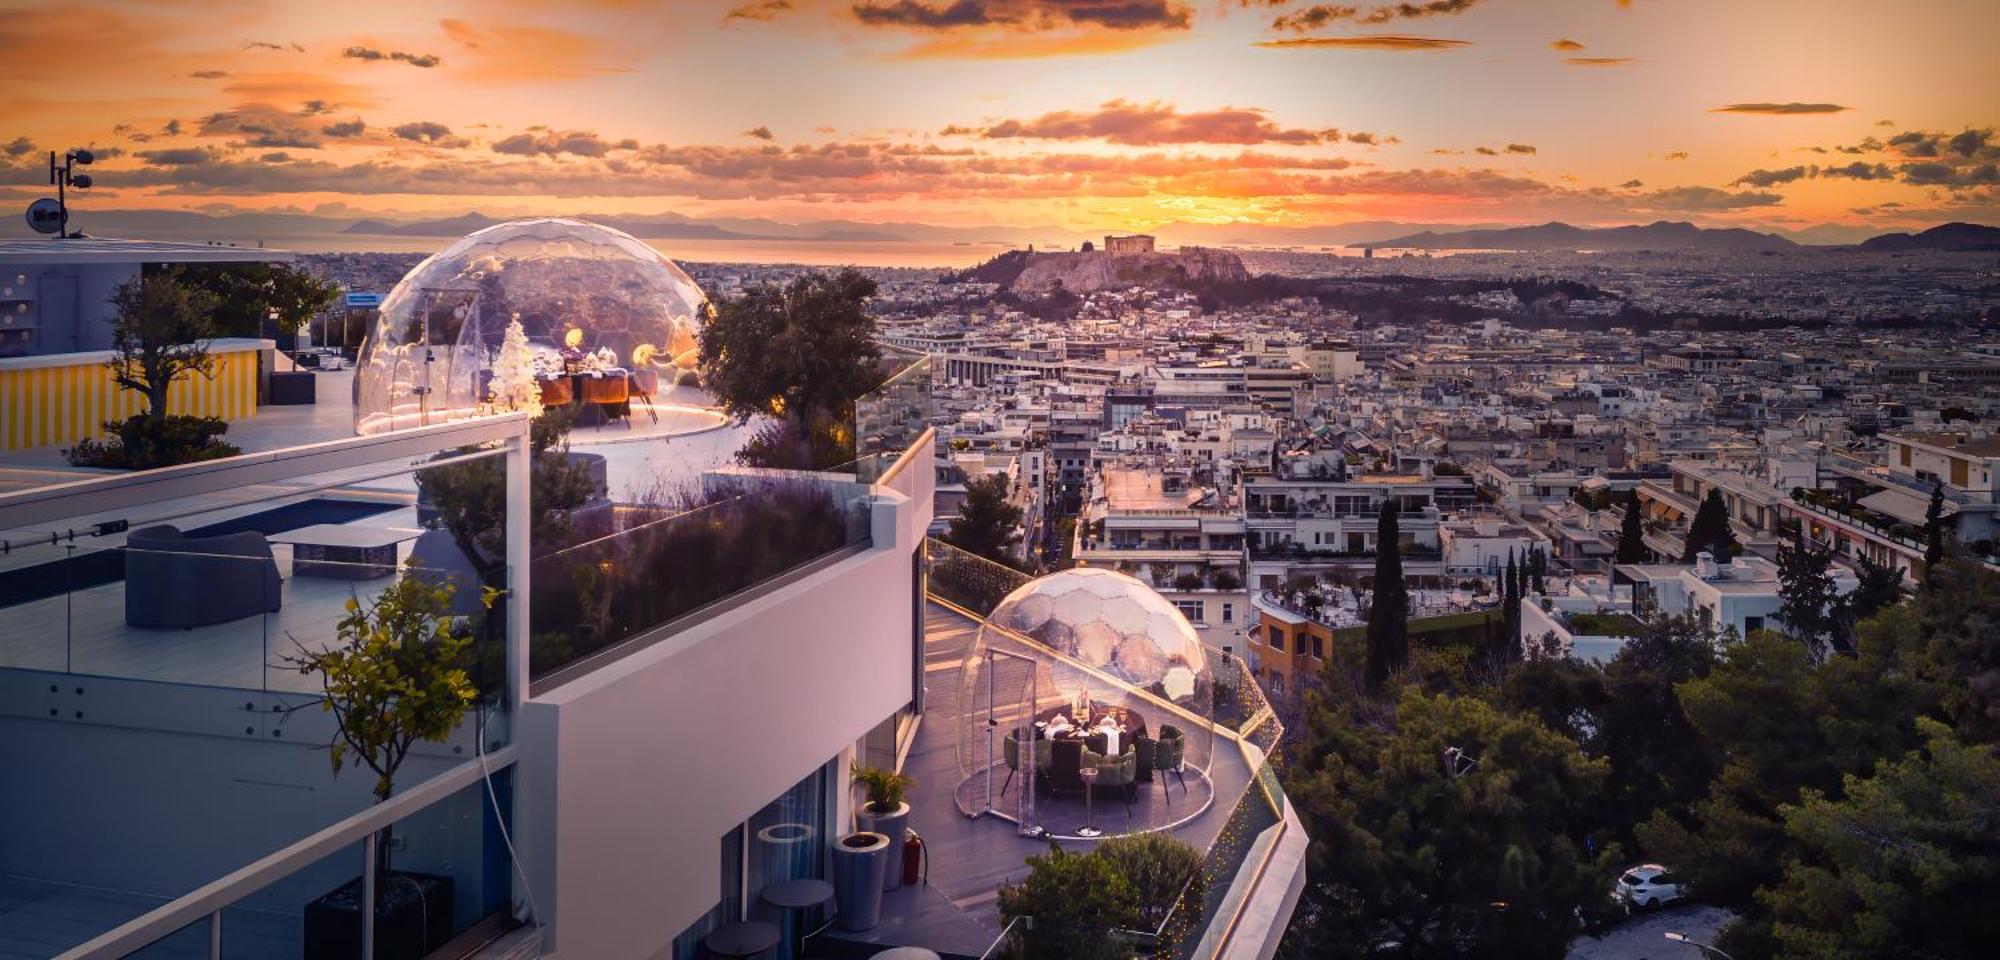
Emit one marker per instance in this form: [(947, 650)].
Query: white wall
[(632, 773)]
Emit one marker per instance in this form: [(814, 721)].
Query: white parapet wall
[(632, 772)]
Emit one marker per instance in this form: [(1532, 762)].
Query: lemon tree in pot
[(886, 813), (395, 676)]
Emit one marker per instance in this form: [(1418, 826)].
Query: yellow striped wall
[(64, 403)]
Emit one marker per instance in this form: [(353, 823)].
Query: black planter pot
[(413, 919)]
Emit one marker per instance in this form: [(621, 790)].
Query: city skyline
[(1021, 113)]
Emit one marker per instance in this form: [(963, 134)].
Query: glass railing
[(236, 589), (1240, 708), (889, 418), (674, 554), (441, 868)]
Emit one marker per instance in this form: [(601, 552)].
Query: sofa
[(176, 582)]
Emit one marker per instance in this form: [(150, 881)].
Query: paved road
[(1642, 937)]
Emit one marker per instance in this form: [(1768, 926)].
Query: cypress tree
[(1389, 612), (1631, 535), (1710, 530), (1510, 608), (1538, 563), (1934, 533)]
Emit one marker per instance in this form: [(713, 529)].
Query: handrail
[(212, 897), (924, 442), (1256, 880), (1005, 932), (27, 508)]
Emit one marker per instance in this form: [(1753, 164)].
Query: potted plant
[(393, 677), (860, 861), (885, 812)]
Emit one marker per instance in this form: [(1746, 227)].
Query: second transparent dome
[(1112, 622), (578, 289)]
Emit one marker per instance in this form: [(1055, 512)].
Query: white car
[(1649, 885)]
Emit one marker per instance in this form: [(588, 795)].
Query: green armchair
[(1010, 749), (1170, 756), (1121, 772)]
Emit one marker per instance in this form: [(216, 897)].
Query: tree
[(803, 352), (1538, 565), (248, 294), (1389, 610), (1934, 531), (1510, 610), (514, 386), (1710, 530), (1905, 863), (987, 523), (1786, 722), (1075, 900), (471, 498), (1457, 830), (1808, 605), (1877, 586), (395, 675), (1631, 534), (160, 335)]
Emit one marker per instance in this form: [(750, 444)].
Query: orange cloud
[(1367, 42), (1133, 124), (1598, 61), (1565, 45), (1780, 109)]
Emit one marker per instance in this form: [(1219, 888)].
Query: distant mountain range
[(652, 228), (308, 231), (1950, 236), (1662, 235)]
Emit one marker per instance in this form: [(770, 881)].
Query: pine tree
[(514, 386), (1389, 611), (988, 524), (1934, 532), (1631, 534), (1807, 603)]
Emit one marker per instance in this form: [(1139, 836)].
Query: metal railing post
[(368, 844), (215, 935)]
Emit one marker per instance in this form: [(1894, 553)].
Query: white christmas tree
[(514, 386)]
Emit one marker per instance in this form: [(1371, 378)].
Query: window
[(1190, 609), (1228, 613), (1752, 624), (1319, 648), (1277, 639)]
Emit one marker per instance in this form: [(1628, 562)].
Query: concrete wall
[(169, 786), (633, 772)]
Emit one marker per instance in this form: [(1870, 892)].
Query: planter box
[(414, 918)]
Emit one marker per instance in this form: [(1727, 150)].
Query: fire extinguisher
[(916, 860)]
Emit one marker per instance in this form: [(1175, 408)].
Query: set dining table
[(1114, 723)]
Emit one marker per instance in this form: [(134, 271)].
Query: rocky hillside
[(1040, 273)]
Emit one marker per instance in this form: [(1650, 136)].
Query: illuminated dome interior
[(587, 296), (1081, 647)]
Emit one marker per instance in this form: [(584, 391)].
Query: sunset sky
[(1087, 114)]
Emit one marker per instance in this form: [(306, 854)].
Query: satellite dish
[(45, 216)]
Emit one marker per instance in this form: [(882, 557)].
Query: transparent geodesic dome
[(1073, 648), (588, 298)]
